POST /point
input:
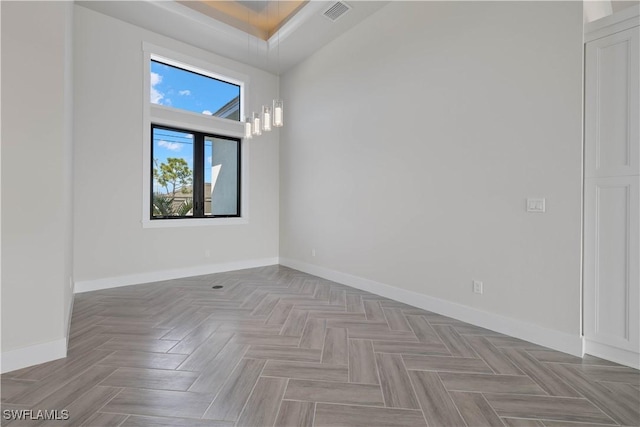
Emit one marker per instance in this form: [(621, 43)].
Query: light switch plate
[(477, 287), (536, 205)]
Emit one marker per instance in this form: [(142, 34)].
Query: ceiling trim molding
[(218, 26), (307, 12)]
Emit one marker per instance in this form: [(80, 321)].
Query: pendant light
[(270, 115), (266, 118), (256, 129), (247, 128), (278, 113)]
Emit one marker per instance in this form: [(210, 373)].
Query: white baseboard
[(618, 355), (33, 355), (561, 341), (70, 312), (156, 276)]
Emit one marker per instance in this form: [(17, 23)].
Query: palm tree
[(163, 205)]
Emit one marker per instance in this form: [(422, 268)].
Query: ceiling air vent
[(336, 10)]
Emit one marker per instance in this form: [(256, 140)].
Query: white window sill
[(196, 222)]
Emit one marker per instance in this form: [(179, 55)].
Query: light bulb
[(278, 113), (266, 118), (256, 128), (247, 128)]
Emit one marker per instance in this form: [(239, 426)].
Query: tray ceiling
[(258, 18)]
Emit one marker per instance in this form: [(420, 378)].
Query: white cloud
[(156, 95), (185, 92), (173, 146), (155, 78), (207, 112)]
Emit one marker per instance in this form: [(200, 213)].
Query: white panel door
[(611, 261), (612, 198), (612, 82)]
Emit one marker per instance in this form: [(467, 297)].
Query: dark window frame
[(198, 173)]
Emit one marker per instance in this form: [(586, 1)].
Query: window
[(194, 164), (195, 174), (183, 89)]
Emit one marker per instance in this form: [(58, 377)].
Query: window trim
[(182, 119), (198, 160)]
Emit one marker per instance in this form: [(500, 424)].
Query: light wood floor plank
[(425, 349), (620, 374), (40, 390), (307, 371), (522, 422), (457, 345), (395, 383), (445, 364), (140, 359), (396, 320), (234, 394), (333, 392), (295, 414), (280, 313), (142, 421), (313, 334), (105, 420), (77, 387), (83, 408), (423, 330), (539, 373), (338, 297), (264, 403), (373, 311), (362, 362), (354, 303), (214, 375), (284, 353), (203, 355), (437, 405), (159, 403), (328, 415), (195, 338), (475, 410), (600, 395), (294, 325), (138, 344), (496, 360), (488, 383), (157, 379), (335, 350), (547, 407)]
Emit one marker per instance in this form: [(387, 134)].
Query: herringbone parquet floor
[(279, 347)]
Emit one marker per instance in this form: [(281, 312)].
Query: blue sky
[(189, 91), (173, 87)]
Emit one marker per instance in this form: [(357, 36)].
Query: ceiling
[(258, 18), (252, 32)]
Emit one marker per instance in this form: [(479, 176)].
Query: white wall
[(36, 179), (618, 5), (110, 241), (413, 140)]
